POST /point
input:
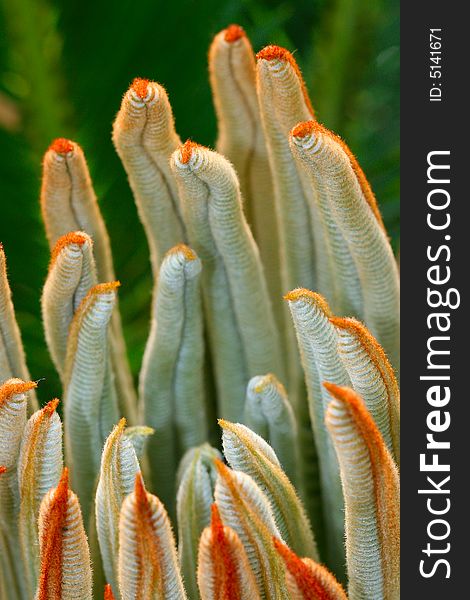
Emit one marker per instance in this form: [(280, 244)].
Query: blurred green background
[(64, 66)]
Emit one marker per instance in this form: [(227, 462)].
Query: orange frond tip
[(63, 485), (50, 407), (276, 53), (140, 87), (73, 237), (62, 146), (3, 469), (312, 580), (104, 288), (221, 467), (234, 33), (108, 592), (303, 129), (308, 296), (186, 151), (139, 489), (13, 387), (216, 521), (186, 251)]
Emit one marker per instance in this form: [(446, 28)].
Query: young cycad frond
[(68, 203), (354, 210), (148, 564), (90, 400), (13, 409), (39, 469), (372, 378), (171, 380), (232, 70), (337, 276), (197, 476), (144, 136), (284, 102), (72, 273), (269, 414), (119, 467), (224, 571), (372, 498), (236, 299), (306, 579), (245, 509), (317, 339), (247, 452), (65, 557), (12, 358)]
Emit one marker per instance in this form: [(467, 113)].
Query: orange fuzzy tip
[(367, 340), (186, 151), (139, 490), (303, 129), (74, 237), (140, 87), (187, 252), (216, 521), (361, 416), (62, 146), (308, 584), (15, 387), (279, 53), (234, 33), (3, 469), (51, 545), (108, 592), (103, 288), (50, 407), (309, 296)]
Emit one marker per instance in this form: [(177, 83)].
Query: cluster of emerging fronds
[(310, 463)]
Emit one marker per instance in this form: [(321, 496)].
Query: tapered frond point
[(50, 407), (313, 581), (108, 592), (233, 33), (302, 294), (359, 413), (51, 544), (371, 345), (310, 130), (277, 53), (74, 237), (62, 146), (13, 387)]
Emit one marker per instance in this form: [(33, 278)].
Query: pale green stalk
[(90, 400), (247, 452), (196, 476), (240, 324), (171, 380)]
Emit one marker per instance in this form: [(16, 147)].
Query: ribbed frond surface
[(236, 299), (372, 498), (197, 476), (39, 469), (148, 564), (171, 379)]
